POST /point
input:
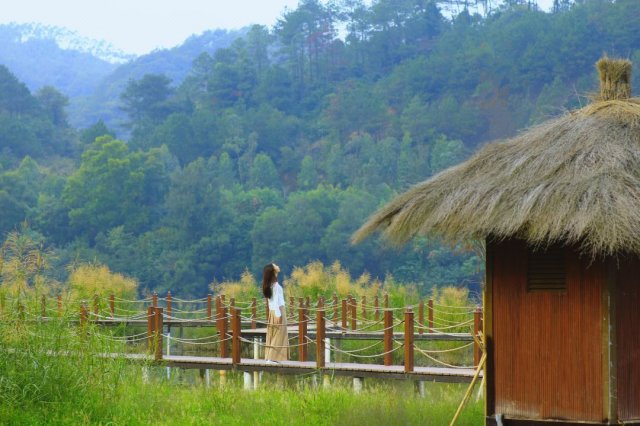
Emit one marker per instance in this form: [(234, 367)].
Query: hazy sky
[(139, 26)]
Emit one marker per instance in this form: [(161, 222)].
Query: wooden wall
[(547, 352), (628, 339)]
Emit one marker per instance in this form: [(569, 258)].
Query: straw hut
[(559, 210)]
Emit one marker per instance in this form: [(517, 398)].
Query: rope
[(437, 360), (441, 351), (242, 339), (364, 356), (204, 299), (453, 307), (116, 298), (188, 342)]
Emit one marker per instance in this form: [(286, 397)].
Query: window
[(545, 269)]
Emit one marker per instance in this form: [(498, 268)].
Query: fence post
[(307, 302), (159, 326), (430, 306), (154, 299), (344, 315), (388, 337), (477, 327), (169, 303), (43, 306), (224, 346), (354, 313), (302, 331), (320, 333), (209, 307), (112, 305), (376, 305), (421, 317), (386, 300), (232, 302), (254, 313), (335, 308), (151, 326), (235, 335), (364, 307), (408, 341)]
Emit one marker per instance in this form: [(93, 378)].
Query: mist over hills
[(93, 73)]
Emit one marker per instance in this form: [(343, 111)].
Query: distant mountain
[(43, 55), (103, 103), (70, 40)]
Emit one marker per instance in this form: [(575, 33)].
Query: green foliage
[(277, 146), (114, 187), (40, 387)]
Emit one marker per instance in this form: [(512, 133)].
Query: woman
[(277, 339)]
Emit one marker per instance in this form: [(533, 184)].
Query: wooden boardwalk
[(434, 374)]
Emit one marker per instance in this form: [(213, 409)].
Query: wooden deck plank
[(440, 374)]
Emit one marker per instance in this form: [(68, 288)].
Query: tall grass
[(54, 373)]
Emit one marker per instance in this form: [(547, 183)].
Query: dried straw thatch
[(574, 179)]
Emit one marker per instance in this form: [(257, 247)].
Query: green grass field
[(79, 388)]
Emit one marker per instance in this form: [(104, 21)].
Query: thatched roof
[(574, 179)]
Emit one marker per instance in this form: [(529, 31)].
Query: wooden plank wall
[(547, 344), (628, 339)]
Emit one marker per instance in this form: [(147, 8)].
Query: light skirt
[(277, 348)]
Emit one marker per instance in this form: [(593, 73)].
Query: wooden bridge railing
[(228, 321)]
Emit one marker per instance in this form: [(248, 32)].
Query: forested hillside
[(278, 147)]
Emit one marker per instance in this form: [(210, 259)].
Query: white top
[(277, 299)]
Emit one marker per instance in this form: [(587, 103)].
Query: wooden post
[(307, 302), (376, 305), (408, 341), (364, 307), (388, 337), (96, 306), (421, 317), (151, 326), (344, 314), (386, 300), (224, 345), (112, 305), (430, 306), (302, 331), (169, 303), (209, 307), (235, 335), (477, 326), (335, 308), (157, 338), (59, 305), (83, 314), (232, 302), (43, 306), (320, 335), (254, 313), (354, 312), (154, 299)]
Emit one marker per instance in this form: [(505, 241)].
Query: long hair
[(268, 277)]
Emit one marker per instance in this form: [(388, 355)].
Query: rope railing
[(440, 362), (227, 317)]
